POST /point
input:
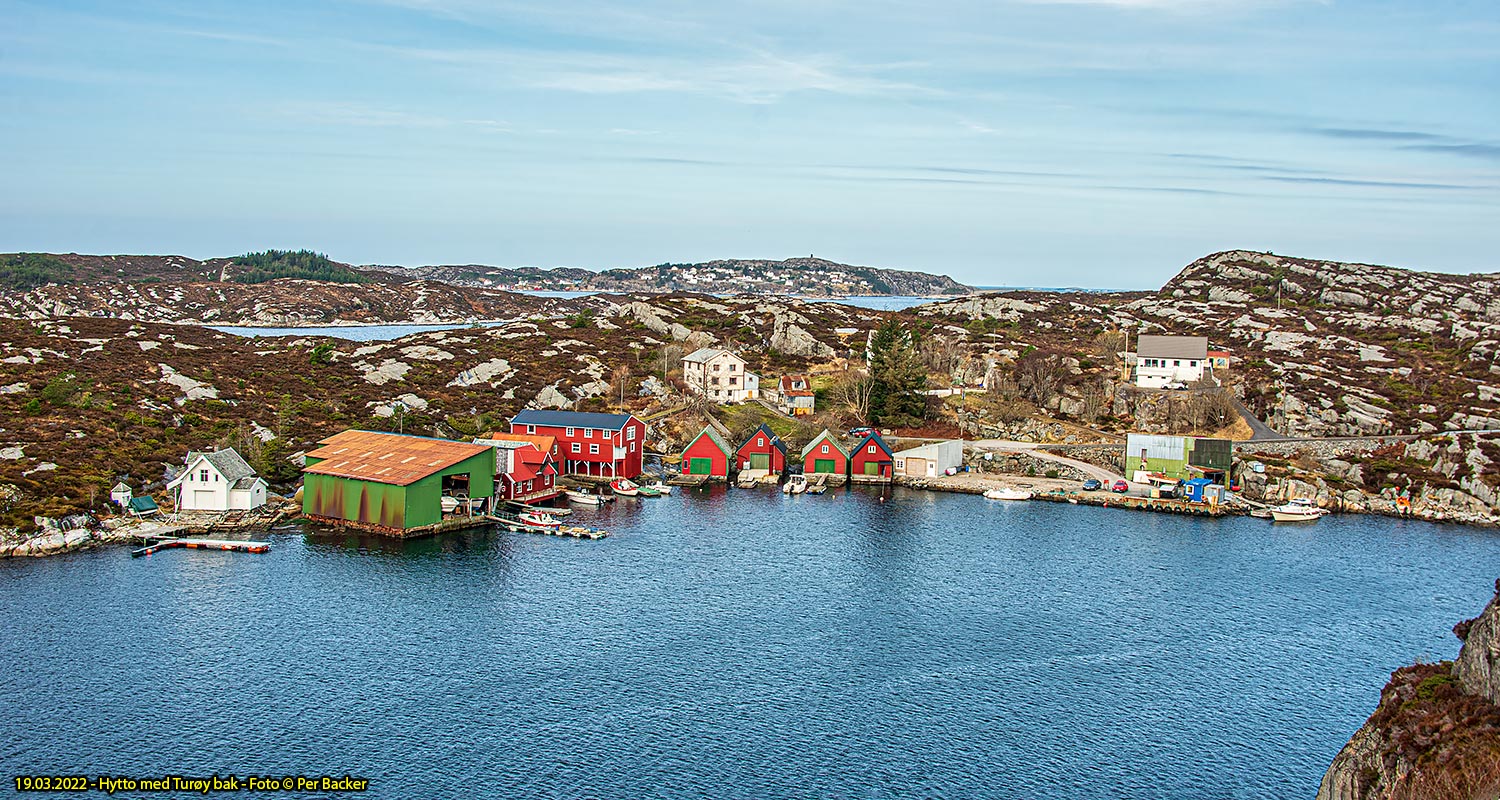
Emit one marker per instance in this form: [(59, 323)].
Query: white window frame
[(572, 432), (593, 449), (577, 448)]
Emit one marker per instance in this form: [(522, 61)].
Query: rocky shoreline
[(1436, 731)]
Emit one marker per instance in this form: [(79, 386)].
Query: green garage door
[(871, 468), (823, 465), (760, 461), (700, 466)]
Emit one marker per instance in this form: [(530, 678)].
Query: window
[(872, 450), (733, 367), (203, 476), (577, 448), (1176, 363), (632, 447), (716, 381), (531, 430), (716, 368), (572, 432), (629, 433), (593, 449), (588, 433), (734, 381), (825, 448), (760, 441)]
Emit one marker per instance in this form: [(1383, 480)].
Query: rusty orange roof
[(387, 457), (540, 442)]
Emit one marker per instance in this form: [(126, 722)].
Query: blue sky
[(1037, 142)]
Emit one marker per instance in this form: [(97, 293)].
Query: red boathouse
[(763, 450), (871, 461), (707, 455)]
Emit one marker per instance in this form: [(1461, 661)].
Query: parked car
[(1092, 485), (861, 431), (1176, 385), (1120, 486)]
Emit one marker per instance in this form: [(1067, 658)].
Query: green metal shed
[(392, 482)]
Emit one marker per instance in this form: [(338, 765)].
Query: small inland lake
[(743, 644)]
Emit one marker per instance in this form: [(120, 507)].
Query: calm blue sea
[(744, 644)]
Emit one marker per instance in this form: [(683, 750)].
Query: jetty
[(513, 523), (228, 545), (1132, 503)]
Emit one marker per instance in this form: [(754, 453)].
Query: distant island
[(806, 277)]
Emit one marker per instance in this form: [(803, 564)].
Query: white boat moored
[(1007, 493), (1298, 509)]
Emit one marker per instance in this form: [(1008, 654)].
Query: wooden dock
[(202, 544), (1133, 503)]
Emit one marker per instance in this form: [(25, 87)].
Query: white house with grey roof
[(1162, 360), (719, 375), (218, 481)]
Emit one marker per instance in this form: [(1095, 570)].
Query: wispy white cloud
[(761, 77)]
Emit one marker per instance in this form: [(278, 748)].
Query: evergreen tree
[(897, 375)]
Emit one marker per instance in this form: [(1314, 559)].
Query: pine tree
[(898, 376)]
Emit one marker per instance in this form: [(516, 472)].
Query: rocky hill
[(1436, 733), (287, 302), (1318, 348), (807, 277)]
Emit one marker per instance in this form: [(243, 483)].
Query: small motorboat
[(1298, 509), (587, 497), (1007, 493), (539, 519), (795, 484), (658, 487), (625, 487)]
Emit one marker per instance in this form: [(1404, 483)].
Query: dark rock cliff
[(1436, 733)]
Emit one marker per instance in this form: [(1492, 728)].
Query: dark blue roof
[(872, 437), (572, 419), (775, 440)]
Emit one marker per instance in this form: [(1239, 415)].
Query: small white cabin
[(219, 481), (120, 495)]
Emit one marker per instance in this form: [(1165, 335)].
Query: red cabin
[(870, 461), (763, 450), (825, 456), (707, 455), (608, 445), (525, 470)]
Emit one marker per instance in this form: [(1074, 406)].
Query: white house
[(1161, 360), (219, 481), (120, 494), (929, 460), (719, 375)]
